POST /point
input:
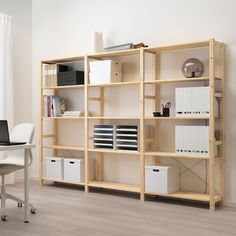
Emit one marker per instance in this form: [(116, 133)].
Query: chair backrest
[(21, 133)]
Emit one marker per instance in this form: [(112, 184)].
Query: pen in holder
[(166, 109)]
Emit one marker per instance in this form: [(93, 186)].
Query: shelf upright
[(222, 121), (41, 125), (142, 134), (100, 161), (86, 129), (212, 124), (156, 102)]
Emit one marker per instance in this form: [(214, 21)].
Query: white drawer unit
[(103, 136), (54, 168), (74, 170), (161, 179)]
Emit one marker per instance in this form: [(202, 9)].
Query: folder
[(179, 101), (187, 101), (179, 139)]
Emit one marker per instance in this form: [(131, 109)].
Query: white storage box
[(161, 179), (105, 77), (74, 169), (107, 65), (54, 168)]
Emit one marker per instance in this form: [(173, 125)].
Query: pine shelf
[(114, 186), (176, 155), (94, 96), (202, 197)]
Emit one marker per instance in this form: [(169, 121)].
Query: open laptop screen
[(4, 134)]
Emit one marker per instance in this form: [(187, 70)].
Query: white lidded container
[(161, 179), (54, 168), (74, 169)]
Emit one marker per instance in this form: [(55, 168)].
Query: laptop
[(4, 135)]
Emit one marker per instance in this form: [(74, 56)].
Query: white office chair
[(14, 162)]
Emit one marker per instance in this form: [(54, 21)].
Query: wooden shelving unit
[(212, 196)]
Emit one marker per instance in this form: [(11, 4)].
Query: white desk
[(27, 148)]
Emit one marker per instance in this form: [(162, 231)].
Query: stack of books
[(54, 106), (50, 74)]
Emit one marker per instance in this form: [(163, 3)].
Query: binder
[(179, 101), (205, 100), (179, 139), (187, 101)]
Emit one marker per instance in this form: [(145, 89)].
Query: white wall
[(63, 28), (21, 11)]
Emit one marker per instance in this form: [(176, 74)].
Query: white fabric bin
[(54, 168), (161, 179)]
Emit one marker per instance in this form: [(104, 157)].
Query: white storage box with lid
[(54, 168), (161, 179), (74, 169)]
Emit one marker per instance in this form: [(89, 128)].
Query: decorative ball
[(192, 67)]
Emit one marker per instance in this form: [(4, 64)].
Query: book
[(54, 106)]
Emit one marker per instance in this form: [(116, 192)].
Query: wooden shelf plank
[(112, 118), (113, 151), (176, 155), (72, 148), (65, 118), (178, 118), (61, 60), (129, 52), (65, 87), (189, 196), (178, 47), (115, 84), (115, 186), (176, 80), (62, 181)]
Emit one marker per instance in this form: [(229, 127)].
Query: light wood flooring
[(67, 210)]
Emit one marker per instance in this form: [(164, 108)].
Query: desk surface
[(16, 147)]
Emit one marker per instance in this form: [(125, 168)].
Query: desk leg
[(26, 187)]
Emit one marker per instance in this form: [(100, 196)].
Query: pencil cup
[(165, 111)]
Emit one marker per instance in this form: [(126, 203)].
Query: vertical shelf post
[(141, 119), (100, 161), (156, 102), (222, 122), (86, 128), (41, 126), (212, 124)]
